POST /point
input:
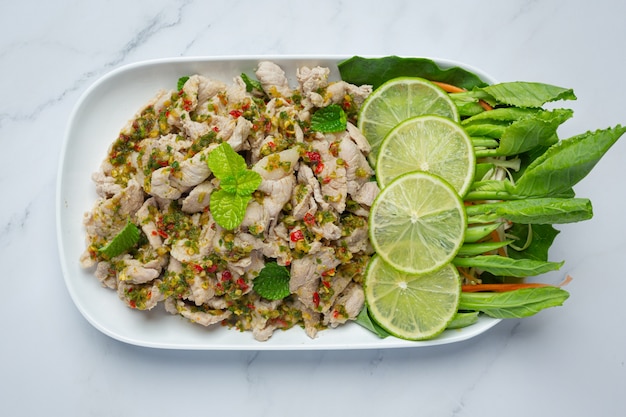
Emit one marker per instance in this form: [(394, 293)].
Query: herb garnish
[(272, 282), (122, 242), (237, 183)]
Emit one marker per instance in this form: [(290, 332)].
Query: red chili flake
[(327, 179), (316, 299), (187, 104), (162, 234), (271, 144), (235, 113), (216, 129), (245, 106), (167, 114), (280, 322), (268, 126), (198, 268), (346, 105), (226, 275), (212, 268), (287, 262), (296, 235), (149, 296), (329, 273), (242, 284), (314, 156), (325, 283), (137, 147), (250, 306), (309, 219), (132, 304), (319, 168), (333, 148), (336, 314)]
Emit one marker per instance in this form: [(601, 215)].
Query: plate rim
[(318, 343)]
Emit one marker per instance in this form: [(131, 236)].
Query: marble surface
[(568, 361)]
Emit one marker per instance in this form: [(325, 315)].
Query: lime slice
[(399, 99), (417, 223), (428, 143), (411, 306)]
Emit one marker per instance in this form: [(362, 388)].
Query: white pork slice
[(273, 79), (198, 198), (109, 216), (194, 170), (358, 170), (140, 296), (192, 313), (161, 185), (106, 185), (339, 89), (199, 90), (367, 193), (278, 181), (310, 267), (145, 217), (347, 306), (313, 80)]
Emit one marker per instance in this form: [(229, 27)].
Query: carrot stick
[(511, 286), (448, 88), (496, 238), (466, 274)]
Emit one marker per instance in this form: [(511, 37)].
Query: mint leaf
[(243, 183), (122, 242), (181, 82), (228, 209), (247, 182), (223, 161), (272, 282), (329, 119)]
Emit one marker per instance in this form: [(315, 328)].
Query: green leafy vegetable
[(548, 210), (531, 241), (375, 71), (181, 82), (504, 266), (513, 304), (564, 164), (463, 319), (366, 321), (523, 183), (272, 282), (329, 119), (126, 239), (237, 183), (527, 94)]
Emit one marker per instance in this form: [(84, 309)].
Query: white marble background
[(568, 361)]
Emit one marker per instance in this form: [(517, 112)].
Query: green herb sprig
[(237, 183), (125, 240), (272, 282)]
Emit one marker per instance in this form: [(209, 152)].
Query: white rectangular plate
[(95, 122)]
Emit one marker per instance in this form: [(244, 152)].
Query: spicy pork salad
[(406, 197), (234, 188)]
